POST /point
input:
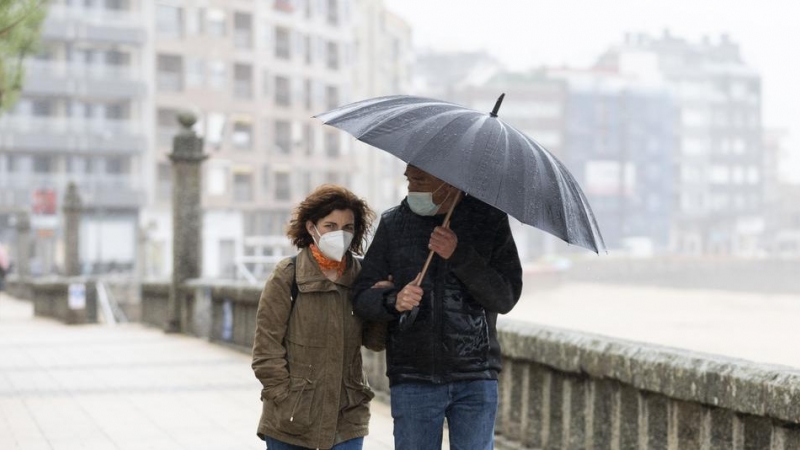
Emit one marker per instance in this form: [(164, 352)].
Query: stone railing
[(571, 390), (155, 296), (51, 299)]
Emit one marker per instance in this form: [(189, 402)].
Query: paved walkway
[(127, 387)]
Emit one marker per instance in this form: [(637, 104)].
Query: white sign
[(77, 296)]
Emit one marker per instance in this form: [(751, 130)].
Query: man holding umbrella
[(443, 356)]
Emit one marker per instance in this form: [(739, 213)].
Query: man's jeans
[(352, 444), (419, 410)]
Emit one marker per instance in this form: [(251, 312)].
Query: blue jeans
[(419, 410), (352, 444)]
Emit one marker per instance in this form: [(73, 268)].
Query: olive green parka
[(307, 356)]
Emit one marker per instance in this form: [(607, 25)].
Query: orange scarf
[(326, 263)]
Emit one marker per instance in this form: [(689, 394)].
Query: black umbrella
[(479, 154)]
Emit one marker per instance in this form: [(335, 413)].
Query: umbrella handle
[(445, 224)]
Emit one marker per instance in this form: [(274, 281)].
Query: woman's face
[(338, 219)]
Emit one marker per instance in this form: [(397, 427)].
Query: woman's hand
[(388, 283)]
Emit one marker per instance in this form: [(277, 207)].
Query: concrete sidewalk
[(127, 387)]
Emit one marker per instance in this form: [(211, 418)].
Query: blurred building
[(382, 66), (619, 138), (100, 107), (80, 118), (719, 162)]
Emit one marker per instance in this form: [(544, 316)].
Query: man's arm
[(370, 303), (494, 281)]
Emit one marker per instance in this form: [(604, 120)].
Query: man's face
[(421, 181)]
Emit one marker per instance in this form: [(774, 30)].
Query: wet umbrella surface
[(479, 154)]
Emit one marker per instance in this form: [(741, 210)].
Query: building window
[(117, 111), (283, 189), (283, 136), (166, 125), (243, 187), (283, 92), (195, 72), (215, 22), (333, 55), (164, 181), (332, 144), (307, 86), (333, 12), (242, 135), (331, 97), (169, 73), (217, 76), (309, 53), (169, 21), (43, 164), (283, 43), (117, 58), (243, 81), (117, 166), (42, 107), (308, 139), (243, 30)]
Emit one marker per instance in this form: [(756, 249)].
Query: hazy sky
[(528, 33)]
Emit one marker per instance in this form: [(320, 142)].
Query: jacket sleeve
[(375, 304), (494, 281), (272, 319)]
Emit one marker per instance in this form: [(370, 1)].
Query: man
[(443, 358)]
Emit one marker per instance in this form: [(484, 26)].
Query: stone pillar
[(187, 156), (73, 208), (23, 262)]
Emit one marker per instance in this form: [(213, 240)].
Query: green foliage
[(20, 27)]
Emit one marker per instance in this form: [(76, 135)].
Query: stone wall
[(562, 389), (51, 299), (565, 389), (155, 296)]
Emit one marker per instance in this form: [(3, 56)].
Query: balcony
[(92, 24), (99, 80), (71, 135), (96, 191)]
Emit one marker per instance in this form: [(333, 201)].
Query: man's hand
[(409, 296), (443, 241)]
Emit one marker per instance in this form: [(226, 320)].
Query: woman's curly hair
[(324, 200)]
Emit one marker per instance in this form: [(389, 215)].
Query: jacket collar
[(310, 277)]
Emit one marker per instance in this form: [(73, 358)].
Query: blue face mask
[(421, 203)]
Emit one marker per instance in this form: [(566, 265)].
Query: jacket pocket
[(293, 413), (358, 395)]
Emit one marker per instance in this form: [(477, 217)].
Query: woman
[(307, 350)]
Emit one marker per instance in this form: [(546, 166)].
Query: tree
[(20, 27)]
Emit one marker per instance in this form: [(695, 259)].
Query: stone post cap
[(186, 145), (72, 199)]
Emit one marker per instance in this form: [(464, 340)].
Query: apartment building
[(719, 161), (254, 73), (79, 119)]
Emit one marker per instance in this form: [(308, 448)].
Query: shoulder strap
[(295, 290)]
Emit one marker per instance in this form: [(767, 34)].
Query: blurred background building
[(665, 135)]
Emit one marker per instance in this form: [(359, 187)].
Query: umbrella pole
[(445, 224)]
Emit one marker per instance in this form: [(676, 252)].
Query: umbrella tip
[(497, 105)]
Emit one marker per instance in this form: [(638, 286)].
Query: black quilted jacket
[(453, 336)]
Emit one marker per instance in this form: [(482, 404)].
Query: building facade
[(719, 162), (80, 119)]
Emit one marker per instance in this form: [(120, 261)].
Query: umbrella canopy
[(479, 154)]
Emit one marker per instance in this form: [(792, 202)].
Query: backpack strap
[(294, 289)]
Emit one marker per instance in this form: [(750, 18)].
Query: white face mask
[(333, 244), (422, 202)]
